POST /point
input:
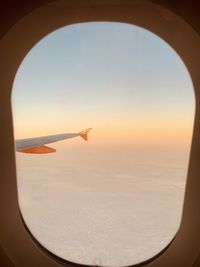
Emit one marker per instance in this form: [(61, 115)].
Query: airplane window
[(103, 117)]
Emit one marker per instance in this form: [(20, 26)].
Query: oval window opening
[(111, 195)]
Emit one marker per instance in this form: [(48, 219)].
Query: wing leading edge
[(37, 145)]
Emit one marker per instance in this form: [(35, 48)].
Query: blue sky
[(111, 76)]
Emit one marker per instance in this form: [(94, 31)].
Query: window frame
[(15, 238)]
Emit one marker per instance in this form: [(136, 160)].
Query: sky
[(121, 80)]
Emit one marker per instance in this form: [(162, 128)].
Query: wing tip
[(84, 134)]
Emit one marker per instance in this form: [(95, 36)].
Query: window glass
[(116, 199)]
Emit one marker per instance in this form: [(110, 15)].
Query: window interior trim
[(14, 238)]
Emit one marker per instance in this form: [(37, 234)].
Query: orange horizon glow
[(116, 136)]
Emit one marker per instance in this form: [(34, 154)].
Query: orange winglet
[(84, 133), (38, 150)]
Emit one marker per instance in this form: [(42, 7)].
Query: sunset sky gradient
[(123, 81)]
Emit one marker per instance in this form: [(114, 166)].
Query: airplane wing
[(37, 145)]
